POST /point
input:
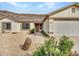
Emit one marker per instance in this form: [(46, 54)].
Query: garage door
[(69, 28)]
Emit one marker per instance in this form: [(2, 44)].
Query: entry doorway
[(38, 27)]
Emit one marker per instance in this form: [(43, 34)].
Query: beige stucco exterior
[(32, 25), (51, 27), (54, 24), (46, 26), (15, 27), (58, 27), (67, 13)]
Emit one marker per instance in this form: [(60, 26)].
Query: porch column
[(32, 26), (51, 27)]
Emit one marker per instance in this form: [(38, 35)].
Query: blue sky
[(32, 7)]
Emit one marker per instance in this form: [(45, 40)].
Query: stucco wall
[(46, 26), (55, 26), (51, 27), (19, 27), (32, 26), (15, 27), (67, 13)]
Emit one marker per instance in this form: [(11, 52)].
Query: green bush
[(32, 30), (51, 47), (40, 51), (65, 45)]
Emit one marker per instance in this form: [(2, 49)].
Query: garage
[(66, 27)]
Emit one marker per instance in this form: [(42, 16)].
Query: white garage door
[(69, 28)]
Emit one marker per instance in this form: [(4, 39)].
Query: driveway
[(75, 39)]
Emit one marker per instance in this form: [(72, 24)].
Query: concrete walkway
[(37, 40)]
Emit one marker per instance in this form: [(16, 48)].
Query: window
[(25, 26), (6, 25), (73, 10)]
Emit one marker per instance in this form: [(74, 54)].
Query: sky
[(32, 7)]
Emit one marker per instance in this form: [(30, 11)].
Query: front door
[(37, 27)]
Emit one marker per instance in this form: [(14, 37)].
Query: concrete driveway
[(75, 39)]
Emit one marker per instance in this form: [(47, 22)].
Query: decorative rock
[(27, 44)]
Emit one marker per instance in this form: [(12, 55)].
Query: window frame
[(25, 26), (6, 26), (73, 10)]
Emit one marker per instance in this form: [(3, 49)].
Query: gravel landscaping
[(11, 43)]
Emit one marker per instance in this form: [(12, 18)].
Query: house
[(64, 21), (12, 22)]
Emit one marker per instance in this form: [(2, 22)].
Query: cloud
[(40, 5), (24, 5), (17, 4), (13, 3), (49, 4)]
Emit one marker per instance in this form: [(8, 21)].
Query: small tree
[(53, 48), (65, 45), (49, 48), (40, 51)]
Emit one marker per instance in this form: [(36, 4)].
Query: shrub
[(32, 30), (53, 48), (49, 48), (40, 51), (65, 45)]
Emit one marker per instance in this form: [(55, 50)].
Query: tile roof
[(22, 17)]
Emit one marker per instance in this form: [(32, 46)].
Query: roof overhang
[(65, 18), (30, 21), (61, 9)]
